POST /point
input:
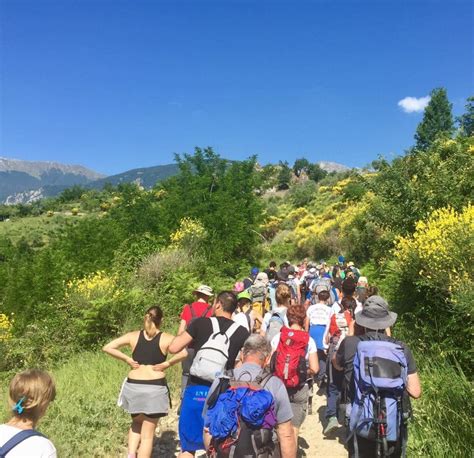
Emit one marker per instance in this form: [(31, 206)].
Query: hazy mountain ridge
[(28, 181)]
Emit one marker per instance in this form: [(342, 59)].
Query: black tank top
[(148, 351)]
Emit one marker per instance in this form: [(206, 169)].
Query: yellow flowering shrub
[(189, 234), (95, 286), (6, 325), (271, 227), (442, 248)]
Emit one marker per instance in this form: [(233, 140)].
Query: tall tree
[(437, 120), (466, 120), (300, 165), (284, 175), (316, 173)]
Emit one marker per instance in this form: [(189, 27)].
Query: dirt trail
[(312, 443)]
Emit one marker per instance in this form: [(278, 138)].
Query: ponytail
[(152, 321)]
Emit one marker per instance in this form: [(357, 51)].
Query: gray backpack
[(212, 357), (274, 326)]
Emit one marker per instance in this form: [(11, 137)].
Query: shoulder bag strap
[(17, 439)]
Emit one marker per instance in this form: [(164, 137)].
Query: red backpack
[(289, 360)]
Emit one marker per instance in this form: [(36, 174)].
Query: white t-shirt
[(319, 314), (33, 447), (281, 311), (241, 318), (311, 345)]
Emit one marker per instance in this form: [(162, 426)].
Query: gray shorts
[(147, 398), (299, 405)]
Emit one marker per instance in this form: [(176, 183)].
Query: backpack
[(289, 360), (193, 313), (241, 417), (274, 326), (258, 292), (341, 320), (16, 440), (379, 409), (212, 357)]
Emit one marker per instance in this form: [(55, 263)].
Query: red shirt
[(199, 308)]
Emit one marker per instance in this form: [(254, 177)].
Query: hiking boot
[(331, 426)]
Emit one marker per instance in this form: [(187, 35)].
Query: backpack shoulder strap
[(206, 311), (193, 313), (231, 330), (18, 439), (215, 325)]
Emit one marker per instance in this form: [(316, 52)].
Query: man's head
[(225, 304), (323, 296), (348, 287), (256, 350), (272, 265)]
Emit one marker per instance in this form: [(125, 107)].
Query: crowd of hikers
[(251, 358)]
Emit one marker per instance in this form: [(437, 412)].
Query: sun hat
[(204, 289), (262, 277), (375, 314), (282, 275), (362, 281), (350, 264), (244, 295), (312, 270)]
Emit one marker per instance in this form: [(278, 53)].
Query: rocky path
[(311, 444)]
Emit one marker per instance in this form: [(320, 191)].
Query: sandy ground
[(311, 442)]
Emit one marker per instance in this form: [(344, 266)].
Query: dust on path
[(312, 443)]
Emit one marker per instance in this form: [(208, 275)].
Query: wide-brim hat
[(376, 314), (204, 289)]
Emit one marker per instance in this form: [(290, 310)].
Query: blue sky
[(115, 85)]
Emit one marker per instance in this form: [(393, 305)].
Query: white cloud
[(414, 105)]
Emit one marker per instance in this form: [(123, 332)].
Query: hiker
[(217, 342), (29, 396), (294, 285), (248, 281), (245, 315), (258, 291), (290, 344), (348, 290), (145, 394), (271, 271), (374, 362), (274, 320), (336, 278), (317, 323), (199, 308), (252, 374), (341, 325)]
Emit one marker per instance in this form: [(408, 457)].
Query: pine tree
[(437, 120), (284, 176), (466, 120)]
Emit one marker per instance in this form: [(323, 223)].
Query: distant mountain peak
[(39, 168)]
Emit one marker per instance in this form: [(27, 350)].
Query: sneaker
[(331, 426)]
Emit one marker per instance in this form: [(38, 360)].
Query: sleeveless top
[(148, 351)]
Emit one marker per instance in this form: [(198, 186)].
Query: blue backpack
[(16, 440), (241, 417), (380, 378)]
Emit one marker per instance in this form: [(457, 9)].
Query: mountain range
[(27, 181)]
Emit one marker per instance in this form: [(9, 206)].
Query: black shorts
[(149, 415)]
